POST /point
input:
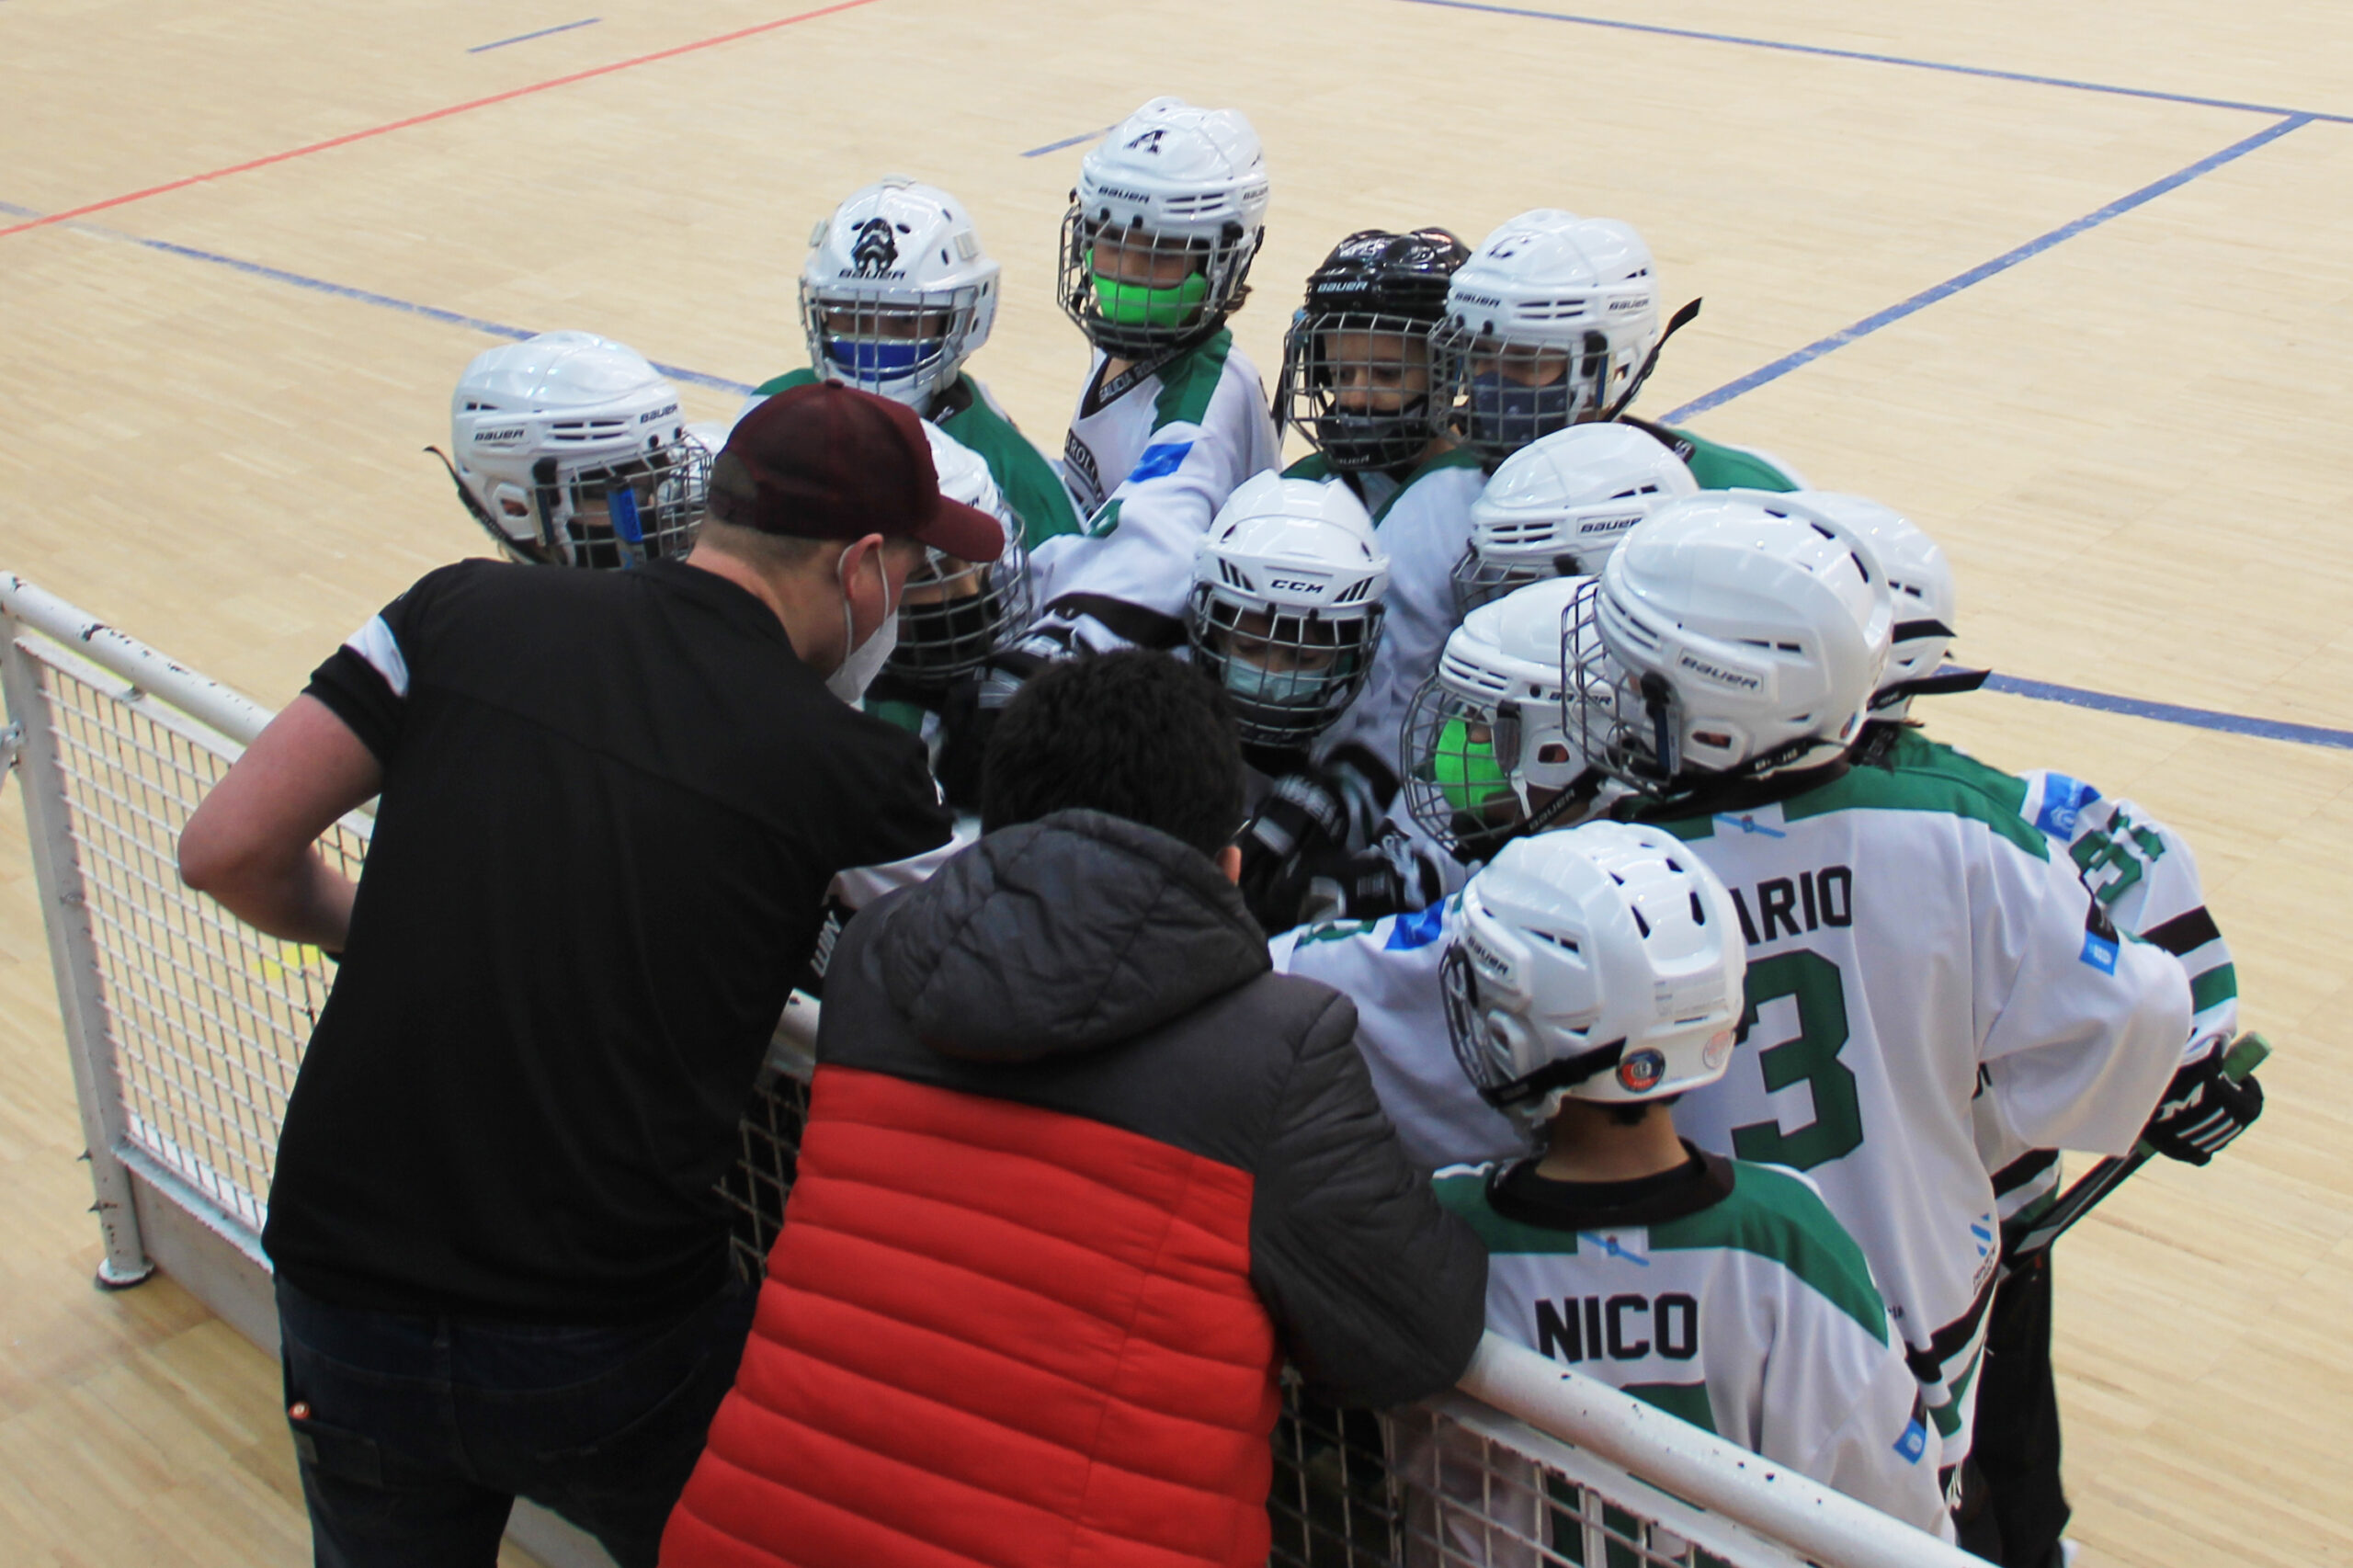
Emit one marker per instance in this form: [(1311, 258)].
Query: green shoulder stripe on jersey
[(1715, 466), (785, 382), (1458, 458), (1947, 1417), (1189, 380), (1775, 1216), (1314, 465), (1904, 789), (2214, 987), (1913, 750), (1685, 1401), (1023, 476), (1465, 1192)]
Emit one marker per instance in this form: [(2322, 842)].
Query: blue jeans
[(416, 1434)]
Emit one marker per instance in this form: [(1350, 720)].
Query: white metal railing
[(186, 1028)]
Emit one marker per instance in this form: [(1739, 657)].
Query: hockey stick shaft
[(2245, 1055)]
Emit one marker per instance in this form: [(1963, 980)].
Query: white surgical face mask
[(864, 660)]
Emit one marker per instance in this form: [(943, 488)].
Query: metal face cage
[(1497, 395), (1481, 579), (1136, 292), (1286, 675), (1626, 725), (908, 347), (954, 614), (1359, 385), (610, 515), (1460, 757)]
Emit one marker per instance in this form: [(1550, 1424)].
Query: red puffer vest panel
[(967, 1351)]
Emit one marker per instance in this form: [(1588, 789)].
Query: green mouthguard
[(1137, 304), (1466, 770)]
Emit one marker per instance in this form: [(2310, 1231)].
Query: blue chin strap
[(882, 360)]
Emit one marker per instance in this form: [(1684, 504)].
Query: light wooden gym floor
[(2130, 440)]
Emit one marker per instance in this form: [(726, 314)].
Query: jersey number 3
[(1808, 1057)]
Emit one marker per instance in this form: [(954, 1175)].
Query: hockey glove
[(1302, 822), (2202, 1110)]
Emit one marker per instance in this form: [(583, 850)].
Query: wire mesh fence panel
[(209, 1016)]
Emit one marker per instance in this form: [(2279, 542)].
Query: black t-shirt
[(612, 803)]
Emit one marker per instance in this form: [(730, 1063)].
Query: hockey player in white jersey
[(1285, 615), (1559, 505), (1487, 759), (570, 451), (1910, 937), (1170, 212), (1594, 976), (2146, 878), (897, 295)]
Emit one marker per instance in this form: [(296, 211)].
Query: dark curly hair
[(1135, 734)]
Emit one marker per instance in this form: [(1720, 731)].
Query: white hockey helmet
[(1559, 505), (1741, 633), (1548, 325), (1927, 604), (1603, 963), (570, 451), (1285, 607), (1180, 193), (953, 613), (896, 292), (1488, 752)]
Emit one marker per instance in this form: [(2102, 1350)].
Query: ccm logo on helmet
[(1720, 676), (1295, 585)]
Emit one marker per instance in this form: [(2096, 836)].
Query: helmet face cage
[(1482, 1051), (909, 346), (1135, 291), (1287, 676), (954, 614), (1628, 724), (1464, 784), (1497, 394), (1359, 385), (611, 516), (1482, 579)]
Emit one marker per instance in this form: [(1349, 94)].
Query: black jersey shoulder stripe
[(2183, 933), (1929, 1365), (2022, 1170)]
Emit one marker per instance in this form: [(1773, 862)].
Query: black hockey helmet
[(1356, 360)]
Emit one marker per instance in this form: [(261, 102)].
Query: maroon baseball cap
[(829, 461)]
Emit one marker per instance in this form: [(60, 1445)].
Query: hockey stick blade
[(2245, 1054)]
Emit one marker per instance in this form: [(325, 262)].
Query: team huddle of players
[(1585, 762)]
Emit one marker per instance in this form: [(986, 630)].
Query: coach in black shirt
[(611, 803)]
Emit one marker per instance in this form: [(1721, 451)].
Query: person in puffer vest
[(1080, 1172)]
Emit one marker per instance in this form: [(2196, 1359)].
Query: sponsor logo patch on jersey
[(2100, 952), (1417, 930), (1159, 462), (2064, 799), (1913, 1443)]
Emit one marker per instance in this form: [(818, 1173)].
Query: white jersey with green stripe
[(2142, 873), (1148, 460), (1725, 1294), (1910, 938)]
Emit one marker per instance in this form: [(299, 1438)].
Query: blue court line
[(2174, 714), (526, 38), (1978, 274), (1068, 141), (1828, 53), (368, 297)]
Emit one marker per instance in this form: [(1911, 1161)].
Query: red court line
[(434, 115)]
